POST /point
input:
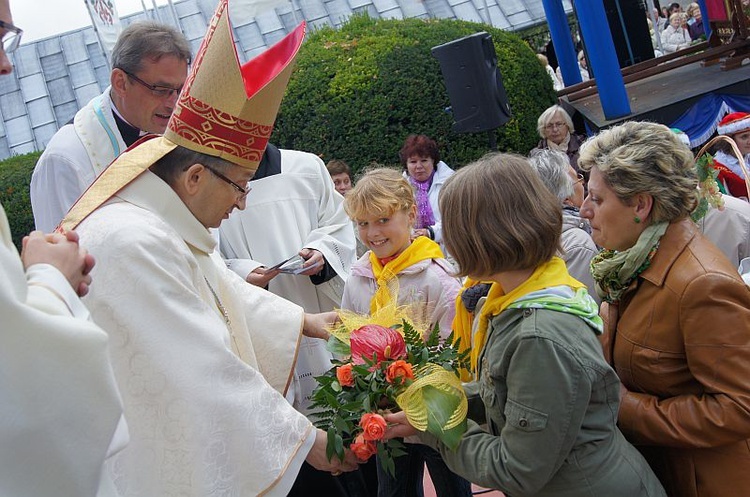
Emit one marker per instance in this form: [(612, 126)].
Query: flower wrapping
[(389, 362)]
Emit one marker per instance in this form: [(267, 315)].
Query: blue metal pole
[(704, 15), (562, 41), (601, 51)]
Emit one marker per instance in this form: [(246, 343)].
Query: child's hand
[(398, 426)]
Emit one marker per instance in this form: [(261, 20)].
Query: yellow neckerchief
[(420, 249), (462, 323), (549, 274)]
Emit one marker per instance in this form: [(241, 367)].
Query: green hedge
[(15, 176), (358, 91)]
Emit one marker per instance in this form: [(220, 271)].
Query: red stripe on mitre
[(205, 125)]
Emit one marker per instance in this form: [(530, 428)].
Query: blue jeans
[(408, 480)]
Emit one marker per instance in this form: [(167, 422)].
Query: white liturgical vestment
[(60, 413), (72, 160), (202, 358), (298, 208)]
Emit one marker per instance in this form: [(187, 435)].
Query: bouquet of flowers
[(388, 365)]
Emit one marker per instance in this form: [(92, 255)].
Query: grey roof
[(56, 76)]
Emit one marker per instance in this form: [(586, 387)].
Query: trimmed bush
[(15, 177), (358, 91)]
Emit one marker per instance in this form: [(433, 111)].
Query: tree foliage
[(15, 177)]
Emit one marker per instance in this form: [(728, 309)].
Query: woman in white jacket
[(676, 36)]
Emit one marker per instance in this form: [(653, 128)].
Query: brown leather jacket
[(681, 346)]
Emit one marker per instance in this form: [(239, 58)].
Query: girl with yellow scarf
[(408, 270)]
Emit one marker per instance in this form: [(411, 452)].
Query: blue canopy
[(701, 120)]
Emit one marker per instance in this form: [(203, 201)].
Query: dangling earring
[(637, 220)]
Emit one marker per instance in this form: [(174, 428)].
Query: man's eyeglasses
[(157, 90), (555, 125), (12, 36), (241, 192)]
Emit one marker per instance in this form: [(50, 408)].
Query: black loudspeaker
[(627, 22), (474, 84)]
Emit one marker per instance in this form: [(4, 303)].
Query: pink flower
[(363, 449), (385, 343), (373, 426)]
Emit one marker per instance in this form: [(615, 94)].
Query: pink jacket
[(429, 281)]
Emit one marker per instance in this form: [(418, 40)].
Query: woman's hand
[(398, 426)]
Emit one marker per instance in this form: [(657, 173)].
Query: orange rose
[(363, 449), (374, 426), (398, 369), (344, 375)]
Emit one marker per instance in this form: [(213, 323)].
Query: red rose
[(344, 375), (397, 369), (363, 449), (385, 343), (373, 426)]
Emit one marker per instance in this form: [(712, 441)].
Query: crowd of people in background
[(671, 29), (607, 332)]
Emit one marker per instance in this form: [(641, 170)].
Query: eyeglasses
[(555, 125), (241, 192), (580, 178), (12, 37), (157, 90)]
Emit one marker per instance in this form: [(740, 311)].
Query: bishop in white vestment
[(202, 359)]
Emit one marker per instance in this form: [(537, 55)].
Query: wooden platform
[(666, 96)]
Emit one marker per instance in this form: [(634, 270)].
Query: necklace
[(225, 315)]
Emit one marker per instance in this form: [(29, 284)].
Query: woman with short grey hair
[(555, 127), (576, 244)]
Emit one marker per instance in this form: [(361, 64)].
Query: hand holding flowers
[(398, 426), (389, 368), (318, 457)]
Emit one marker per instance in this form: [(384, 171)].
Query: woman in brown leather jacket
[(677, 314)]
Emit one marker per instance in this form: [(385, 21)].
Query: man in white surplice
[(294, 208), (202, 358), (60, 412), (149, 66)]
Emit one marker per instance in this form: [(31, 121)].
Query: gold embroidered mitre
[(225, 109)]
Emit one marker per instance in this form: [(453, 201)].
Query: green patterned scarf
[(564, 299), (614, 271)]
